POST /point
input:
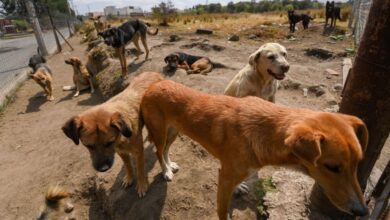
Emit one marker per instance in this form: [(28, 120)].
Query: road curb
[(11, 88)]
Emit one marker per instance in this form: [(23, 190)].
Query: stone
[(252, 36), (338, 87), (233, 37), (317, 90), (332, 72), (203, 31)]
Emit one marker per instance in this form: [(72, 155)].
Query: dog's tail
[(220, 65), (54, 195)]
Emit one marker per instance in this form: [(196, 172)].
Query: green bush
[(21, 25)]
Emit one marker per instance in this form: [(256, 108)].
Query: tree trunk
[(367, 96), (37, 28)]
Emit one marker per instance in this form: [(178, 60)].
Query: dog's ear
[(360, 129), (305, 143), (166, 59), (118, 123), (109, 26), (181, 57), (72, 129), (255, 56)]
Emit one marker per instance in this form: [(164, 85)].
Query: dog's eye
[(271, 57), (284, 54), (333, 168), (109, 144)]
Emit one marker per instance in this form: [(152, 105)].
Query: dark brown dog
[(190, 63), (115, 127), (248, 133), (81, 77)]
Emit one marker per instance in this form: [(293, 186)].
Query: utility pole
[(70, 17), (36, 27), (366, 95)]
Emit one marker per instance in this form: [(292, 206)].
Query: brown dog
[(41, 74), (248, 133), (190, 63), (115, 126), (81, 77), (100, 23)]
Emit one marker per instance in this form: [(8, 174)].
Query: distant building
[(95, 14), (125, 11)]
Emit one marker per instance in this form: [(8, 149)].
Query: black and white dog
[(119, 37), (294, 18)]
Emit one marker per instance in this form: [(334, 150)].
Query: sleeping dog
[(119, 37), (41, 74), (294, 18), (192, 64)]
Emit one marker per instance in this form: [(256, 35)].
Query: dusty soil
[(36, 154)]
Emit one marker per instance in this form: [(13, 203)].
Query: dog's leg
[(207, 70), (128, 179), (142, 181), (171, 137), (49, 89), (120, 53), (91, 85), (143, 40), (136, 43), (77, 88), (227, 180)]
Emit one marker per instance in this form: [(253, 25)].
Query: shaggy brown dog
[(100, 23), (57, 205), (81, 77), (115, 127), (248, 133)]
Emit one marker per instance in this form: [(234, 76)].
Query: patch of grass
[(261, 188), (9, 99)]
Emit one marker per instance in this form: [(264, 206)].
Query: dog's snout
[(359, 209), (285, 68), (103, 167)]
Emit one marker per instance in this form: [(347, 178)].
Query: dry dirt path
[(35, 152)]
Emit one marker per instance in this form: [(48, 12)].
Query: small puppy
[(81, 77), (190, 63), (260, 76), (57, 205), (115, 127), (41, 74)]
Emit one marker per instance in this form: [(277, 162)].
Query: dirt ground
[(36, 154)]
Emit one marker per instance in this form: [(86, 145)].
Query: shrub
[(21, 25)]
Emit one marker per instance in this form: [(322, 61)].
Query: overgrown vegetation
[(261, 188), (17, 8), (163, 12)]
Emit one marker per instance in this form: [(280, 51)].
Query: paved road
[(14, 54)]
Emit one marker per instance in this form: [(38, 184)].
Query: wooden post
[(59, 48), (367, 96), (37, 28)]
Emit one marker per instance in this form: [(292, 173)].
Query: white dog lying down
[(260, 76)]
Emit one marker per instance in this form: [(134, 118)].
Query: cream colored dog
[(260, 76)]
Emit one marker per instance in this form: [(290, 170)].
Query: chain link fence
[(360, 11), (18, 44)]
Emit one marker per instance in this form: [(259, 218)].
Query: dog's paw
[(174, 167), (142, 189), (127, 181), (241, 189), (50, 98), (168, 175), (92, 91), (76, 94)]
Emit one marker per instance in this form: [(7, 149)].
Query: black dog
[(332, 12), (119, 37), (192, 64), (37, 61), (295, 18)]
